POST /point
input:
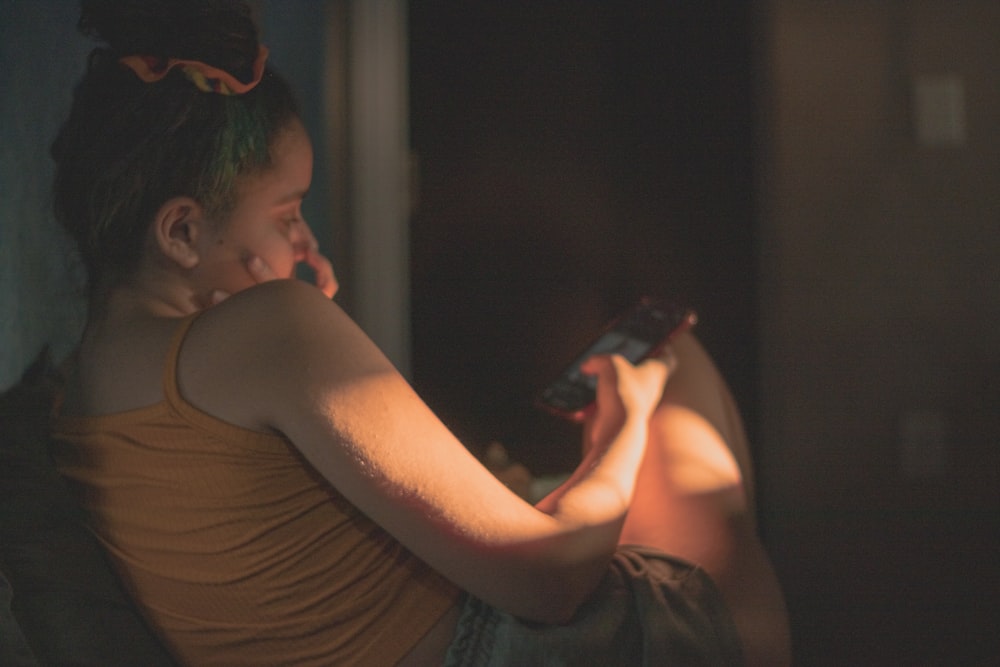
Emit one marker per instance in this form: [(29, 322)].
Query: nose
[(301, 238)]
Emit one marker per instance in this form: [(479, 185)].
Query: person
[(272, 491)]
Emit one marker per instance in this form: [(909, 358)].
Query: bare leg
[(694, 499)]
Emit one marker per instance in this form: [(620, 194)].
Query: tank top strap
[(170, 389)]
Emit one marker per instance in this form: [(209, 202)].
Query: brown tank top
[(237, 551)]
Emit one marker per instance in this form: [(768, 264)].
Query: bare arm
[(336, 397)]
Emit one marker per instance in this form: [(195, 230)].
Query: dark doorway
[(573, 156)]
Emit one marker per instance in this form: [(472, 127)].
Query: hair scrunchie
[(206, 78)]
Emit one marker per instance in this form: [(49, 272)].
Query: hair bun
[(220, 33)]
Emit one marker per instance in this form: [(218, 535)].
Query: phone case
[(638, 333)]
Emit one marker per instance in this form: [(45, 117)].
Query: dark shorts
[(650, 609)]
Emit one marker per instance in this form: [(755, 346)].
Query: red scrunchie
[(207, 78)]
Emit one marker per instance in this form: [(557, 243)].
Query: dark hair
[(129, 146)]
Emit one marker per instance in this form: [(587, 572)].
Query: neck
[(148, 294)]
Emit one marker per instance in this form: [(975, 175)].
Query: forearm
[(588, 511), (598, 493)]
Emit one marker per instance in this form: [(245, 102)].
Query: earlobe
[(177, 226)]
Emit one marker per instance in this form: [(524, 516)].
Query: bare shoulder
[(277, 302), (283, 315), (246, 357)]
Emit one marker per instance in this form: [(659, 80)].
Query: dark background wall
[(572, 157), (880, 328), (759, 161), (41, 58)]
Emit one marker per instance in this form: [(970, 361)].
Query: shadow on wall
[(41, 57)]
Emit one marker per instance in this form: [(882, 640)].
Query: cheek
[(266, 242), (228, 273), (279, 255)]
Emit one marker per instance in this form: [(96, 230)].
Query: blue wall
[(294, 31), (41, 57)]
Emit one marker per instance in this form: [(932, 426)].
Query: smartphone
[(636, 334)]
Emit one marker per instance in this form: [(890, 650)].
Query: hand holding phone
[(637, 334)]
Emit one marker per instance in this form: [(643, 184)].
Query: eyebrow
[(298, 195)]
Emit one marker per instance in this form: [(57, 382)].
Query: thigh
[(695, 486), (694, 499)]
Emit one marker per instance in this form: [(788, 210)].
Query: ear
[(179, 223)]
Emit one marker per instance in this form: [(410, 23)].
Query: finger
[(668, 356), (326, 280), (259, 269), (609, 371), (596, 364), (310, 238), (218, 296), (616, 374), (656, 370)]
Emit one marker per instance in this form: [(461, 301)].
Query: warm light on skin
[(696, 458), (694, 499), (688, 491)]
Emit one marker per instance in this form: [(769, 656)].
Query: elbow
[(564, 579), (548, 580)]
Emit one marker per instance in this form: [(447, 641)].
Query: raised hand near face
[(260, 272)]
